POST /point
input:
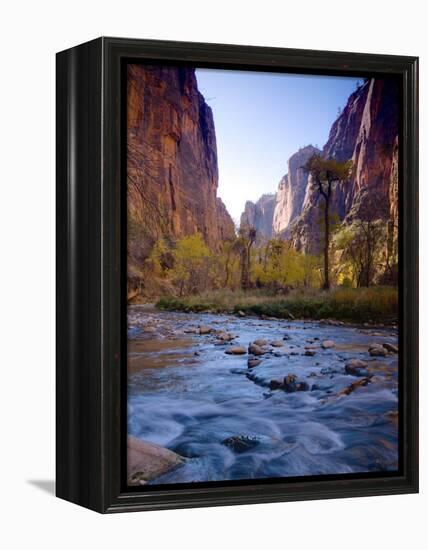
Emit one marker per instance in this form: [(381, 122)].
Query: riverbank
[(372, 305)]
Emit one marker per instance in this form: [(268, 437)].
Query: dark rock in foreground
[(240, 443)]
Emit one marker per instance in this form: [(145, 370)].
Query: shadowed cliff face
[(260, 215), (366, 132), (172, 158)]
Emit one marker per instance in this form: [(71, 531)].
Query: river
[(188, 395)]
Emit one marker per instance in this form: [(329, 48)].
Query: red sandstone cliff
[(367, 133), (172, 160)]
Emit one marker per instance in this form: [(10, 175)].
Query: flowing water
[(185, 393)]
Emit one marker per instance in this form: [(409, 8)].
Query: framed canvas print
[(237, 277)]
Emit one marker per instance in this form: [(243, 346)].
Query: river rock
[(205, 329), (356, 367), (236, 350), (253, 362), (225, 336), (309, 353), (358, 384), (277, 343), (146, 461), (241, 443), (260, 342), (275, 384), (376, 350), (241, 313), (302, 386), (390, 347), (289, 383), (254, 349), (286, 337), (326, 344)]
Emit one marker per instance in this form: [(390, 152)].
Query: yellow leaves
[(280, 264), (192, 249)]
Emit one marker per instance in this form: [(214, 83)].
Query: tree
[(191, 265), (325, 174), (247, 237), (361, 245), (232, 255)]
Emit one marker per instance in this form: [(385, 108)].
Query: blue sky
[(261, 119)]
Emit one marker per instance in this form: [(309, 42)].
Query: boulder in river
[(326, 344), (289, 383), (277, 343), (390, 347), (225, 336), (254, 349), (356, 367), (236, 350), (253, 362), (275, 384), (309, 353), (205, 329), (241, 313), (241, 443), (146, 461), (376, 350), (260, 342)]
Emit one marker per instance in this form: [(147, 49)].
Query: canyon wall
[(172, 161), (260, 215), (366, 132), (292, 190)]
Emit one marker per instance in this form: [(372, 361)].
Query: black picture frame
[(91, 272)]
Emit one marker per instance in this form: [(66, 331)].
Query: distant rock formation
[(291, 191), (260, 215), (172, 159), (367, 133)]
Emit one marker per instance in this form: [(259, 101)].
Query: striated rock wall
[(172, 157), (366, 132), (260, 215), (292, 191)]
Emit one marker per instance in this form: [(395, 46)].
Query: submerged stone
[(241, 443)]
